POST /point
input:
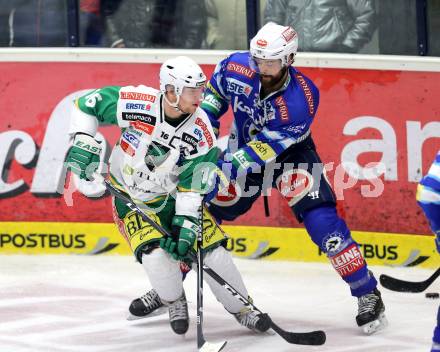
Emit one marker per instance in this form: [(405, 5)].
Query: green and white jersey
[(152, 158)]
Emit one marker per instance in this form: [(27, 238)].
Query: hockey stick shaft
[(200, 337), (306, 338), (398, 285), (202, 344)]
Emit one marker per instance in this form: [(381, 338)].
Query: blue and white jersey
[(428, 191), (262, 128), (428, 197)]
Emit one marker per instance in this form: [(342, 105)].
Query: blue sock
[(332, 235)]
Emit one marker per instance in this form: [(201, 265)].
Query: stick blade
[(212, 347), (393, 284), (312, 338)]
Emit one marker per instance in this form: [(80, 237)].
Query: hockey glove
[(83, 157), (169, 246), (187, 233), (186, 227)]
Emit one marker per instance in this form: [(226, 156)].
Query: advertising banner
[(267, 243), (377, 131)]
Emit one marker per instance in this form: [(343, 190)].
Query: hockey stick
[(398, 285), (202, 344), (301, 338)]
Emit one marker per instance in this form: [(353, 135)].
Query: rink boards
[(377, 130), (267, 243)]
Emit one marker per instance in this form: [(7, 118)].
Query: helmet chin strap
[(174, 105)]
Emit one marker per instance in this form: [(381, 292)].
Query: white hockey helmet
[(181, 72), (274, 42)]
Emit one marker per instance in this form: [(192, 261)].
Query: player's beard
[(272, 82)]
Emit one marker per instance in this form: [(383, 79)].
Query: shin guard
[(332, 235)]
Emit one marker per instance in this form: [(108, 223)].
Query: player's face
[(190, 99), (270, 70)]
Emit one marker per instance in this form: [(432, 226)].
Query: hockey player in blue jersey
[(270, 146), (428, 197)]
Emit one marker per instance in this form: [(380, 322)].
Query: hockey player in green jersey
[(164, 156)]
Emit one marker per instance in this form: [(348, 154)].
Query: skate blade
[(212, 347), (155, 313), (375, 325)]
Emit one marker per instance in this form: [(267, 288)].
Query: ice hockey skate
[(253, 320), (178, 312), (146, 306), (371, 317)]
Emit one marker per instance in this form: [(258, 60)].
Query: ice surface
[(79, 303)]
